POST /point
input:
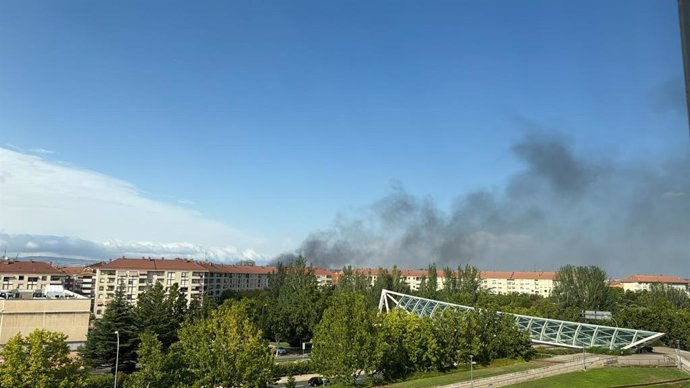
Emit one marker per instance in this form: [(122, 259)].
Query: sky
[(355, 132)]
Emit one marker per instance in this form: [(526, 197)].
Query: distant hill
[(60, 261)]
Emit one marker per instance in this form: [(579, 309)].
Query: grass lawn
[(610, 377), (498, 367)]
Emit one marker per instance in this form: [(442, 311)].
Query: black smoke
[(562, 207)]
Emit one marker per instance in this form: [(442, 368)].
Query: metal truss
[(541, 330)]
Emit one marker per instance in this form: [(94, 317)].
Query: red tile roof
[(229, 268), (15, 266), (72, 270), (615, 283), (323, 272), (518, 275), (154, 264), (654, 279)]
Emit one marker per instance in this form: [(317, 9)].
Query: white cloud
[(673, 194), (40, 151), (47, 200)]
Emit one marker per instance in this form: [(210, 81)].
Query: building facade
[(29, 275), (505, 282), (644, 282), (135, 276), (239, 278), (53, 308)]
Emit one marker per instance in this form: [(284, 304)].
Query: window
[(21, 277), (43, 277)]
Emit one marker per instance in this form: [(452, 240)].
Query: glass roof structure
[(541, 330)]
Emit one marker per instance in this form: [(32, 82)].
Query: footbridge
[(541, 330)]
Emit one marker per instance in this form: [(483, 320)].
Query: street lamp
[(471, 369), (117, 356)]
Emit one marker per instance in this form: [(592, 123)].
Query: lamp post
[(117, 356), (471, 370), (678, 361)]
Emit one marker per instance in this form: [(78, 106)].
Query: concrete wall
[(68, 316)]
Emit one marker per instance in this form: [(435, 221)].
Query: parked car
[(281, 351), (315, 382)]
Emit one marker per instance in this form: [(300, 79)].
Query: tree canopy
[(40, 360), (346, 342), (101, 342), (225, 349)]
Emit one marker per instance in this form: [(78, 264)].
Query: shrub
[(293, 368)]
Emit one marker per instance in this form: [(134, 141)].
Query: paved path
[(563, 364), (301, 380)]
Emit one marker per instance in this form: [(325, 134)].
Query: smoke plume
[(561, 207)]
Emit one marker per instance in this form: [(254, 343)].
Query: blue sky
[(271, 117)]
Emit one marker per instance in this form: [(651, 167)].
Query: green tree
[(101, 343), (345, 342), (396, 362), (200, 308), (583, 287), (152, 365), (423, 347), (225, 349), (660, 294), (352, 280), (398, 283), (389, 280), (160, 312), (429, 285), (458, 332), (450, 284), (40, 360), (294, 309), (468, 285)]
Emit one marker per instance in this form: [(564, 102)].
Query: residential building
[(324, 277), (81, 279), (51, 308), (136, 275), (505, 282), (29, 275), (644, 282), (223, 277)]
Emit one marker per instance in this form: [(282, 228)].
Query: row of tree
[(172, 344), (353, 339)]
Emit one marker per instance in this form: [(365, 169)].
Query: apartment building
[(235, 277), (325, 277), (411, 277), (136, 275), (28, 275), (81, 279), (644, 282), (505, 282)]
